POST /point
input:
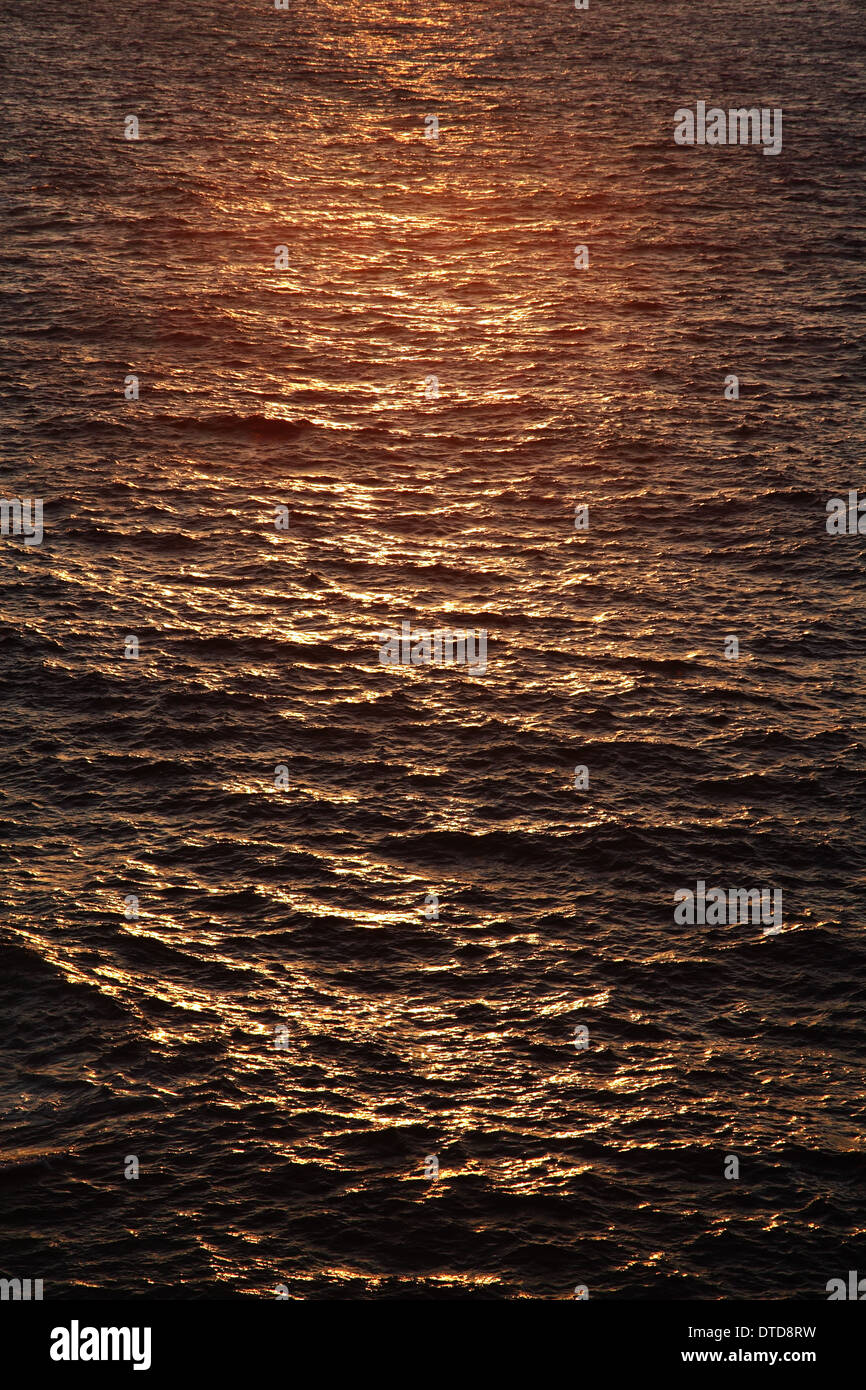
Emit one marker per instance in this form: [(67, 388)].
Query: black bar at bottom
[(412, 1342)]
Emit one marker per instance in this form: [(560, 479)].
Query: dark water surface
[(303, 909)]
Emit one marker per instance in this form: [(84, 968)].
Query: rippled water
[(264, 909)]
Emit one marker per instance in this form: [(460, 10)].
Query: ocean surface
[(296, 915)]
